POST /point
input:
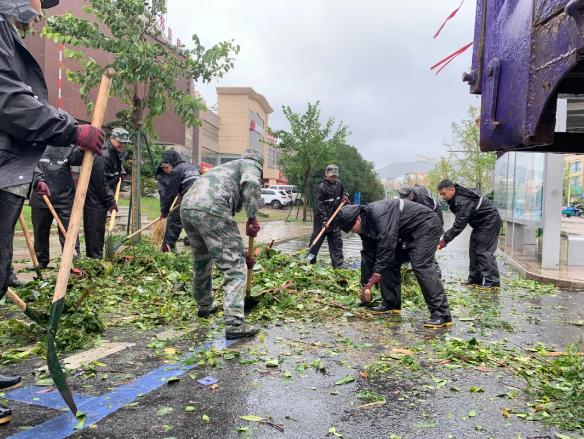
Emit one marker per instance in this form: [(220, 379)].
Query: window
[(575, 181), (576, 166), (273, 158), (268, 192)]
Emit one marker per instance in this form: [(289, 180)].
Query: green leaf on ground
[(346, 380), (252, 418), (163, 411)]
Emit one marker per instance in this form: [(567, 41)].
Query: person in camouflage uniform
[(207, 212)]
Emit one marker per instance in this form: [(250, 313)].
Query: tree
[(308, 146), (358, 174), (442, 171), (148, 67), (471, 166)]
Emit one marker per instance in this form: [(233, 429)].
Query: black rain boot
[(205, 311), (14, 282), (438, 321), (5, 415), (235, 331), (471, 283), (490, 286), (385, 308), (9, 382)]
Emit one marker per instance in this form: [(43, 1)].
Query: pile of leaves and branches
[(555, 380), (143, 288)]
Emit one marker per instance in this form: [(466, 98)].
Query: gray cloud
[(367, 61)]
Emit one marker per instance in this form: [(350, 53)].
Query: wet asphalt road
[(300, 397)]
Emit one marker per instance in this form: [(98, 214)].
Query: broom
[(159, 229)]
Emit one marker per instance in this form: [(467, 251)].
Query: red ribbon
[(443, 63), (450, 17)]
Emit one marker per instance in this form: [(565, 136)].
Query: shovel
[(109, 242), (35, 316), (310, 257), (67, 259), (28, 238)]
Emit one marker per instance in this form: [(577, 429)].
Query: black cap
[(348, 217), (48, 4)]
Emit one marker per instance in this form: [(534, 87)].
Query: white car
[(291, 190), (275, 198)]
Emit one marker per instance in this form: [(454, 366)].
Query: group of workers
[(39, 144)]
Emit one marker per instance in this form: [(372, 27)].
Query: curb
[(561, 283)]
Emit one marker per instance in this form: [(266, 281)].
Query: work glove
[(442, 244), (249, 261), (373, 280), (345, 199), (113, 207), (324, 223), (90, 139), (42, 188), (165, 248), (252, 227)]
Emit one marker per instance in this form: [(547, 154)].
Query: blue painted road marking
[(99, 407), (43, 396)]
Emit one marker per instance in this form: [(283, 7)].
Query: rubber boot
[(438, 321), (9, 382), (5, 415), (241, 330), (205, 311)]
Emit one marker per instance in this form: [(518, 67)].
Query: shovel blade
[(310, 257), (110, 251), (52, 359)]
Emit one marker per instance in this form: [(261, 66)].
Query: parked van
[(292, 190)]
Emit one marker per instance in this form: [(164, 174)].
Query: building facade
[(574, 169), (241, 123)]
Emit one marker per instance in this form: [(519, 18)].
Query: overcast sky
[(367, 61)]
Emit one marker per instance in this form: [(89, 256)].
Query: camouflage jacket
[(227, 189)]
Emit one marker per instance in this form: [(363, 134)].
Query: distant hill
[(397, 170)]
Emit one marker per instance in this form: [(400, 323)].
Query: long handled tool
[(35, 316), (310, 257), (28, 238), (250, 252), (137, 232), (159, 230), (67, 258), (109, 242), (62, 228)]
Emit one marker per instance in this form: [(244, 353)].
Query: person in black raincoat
[(53, 178), (174, 177), (381, 226), (476, 210), (419, 194), (27, 125), (328, 196), (105, 175)]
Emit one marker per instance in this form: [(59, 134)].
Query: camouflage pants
[(217, 240)]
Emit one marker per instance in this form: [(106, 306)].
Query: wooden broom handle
[(113, 214), (81, 192), (328, 223), (62, 228), (13, 297), (147, 226), (250, 252), (28, 239)]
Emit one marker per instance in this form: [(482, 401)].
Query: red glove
[(345, 199), (373, 280), (90, 138), (442, 244), (249, 261), (42, 188), (113, 207), (252, 227), (165, 248)]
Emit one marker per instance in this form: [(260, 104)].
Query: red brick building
[(171, 130)]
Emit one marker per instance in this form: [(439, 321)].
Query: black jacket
[(177, 183), (327, 198), (423, 197), (386, 222), (27, 122), (54, 168), (105, 175), (472, 208)]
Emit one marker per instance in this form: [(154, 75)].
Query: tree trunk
[(136, 166), (305, 206)]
